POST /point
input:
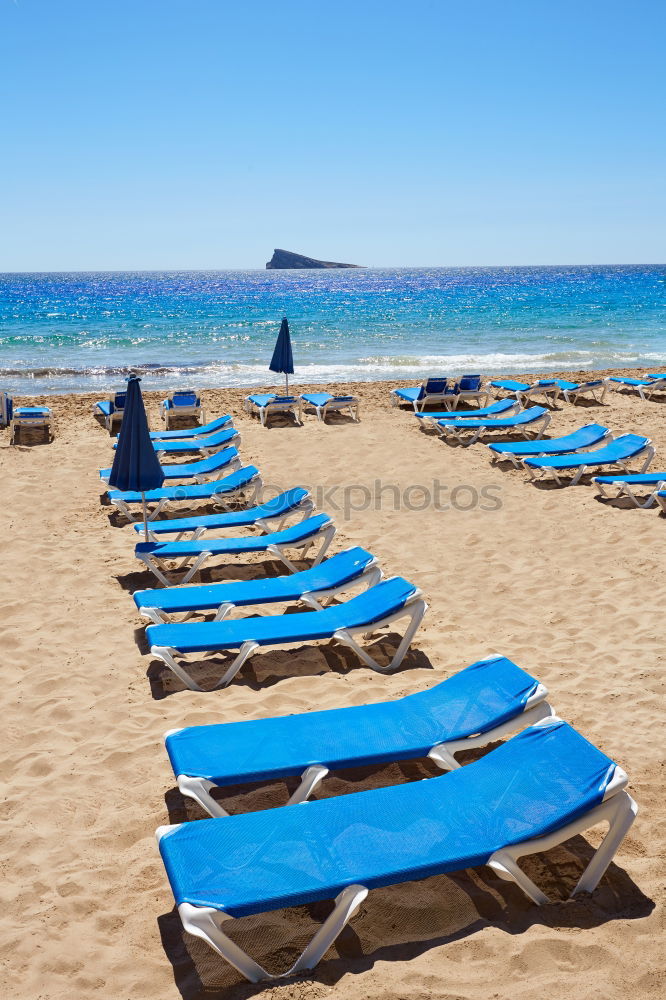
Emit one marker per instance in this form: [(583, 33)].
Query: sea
[(78, 332)]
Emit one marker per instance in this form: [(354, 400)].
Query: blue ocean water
[(79, 332)]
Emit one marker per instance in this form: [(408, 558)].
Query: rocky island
[(287, 259)]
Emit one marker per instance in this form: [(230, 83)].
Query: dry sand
[(570, 588)]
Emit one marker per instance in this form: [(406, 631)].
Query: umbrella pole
[(145, 516), (286, 377)]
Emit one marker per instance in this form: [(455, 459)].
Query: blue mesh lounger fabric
[(372, 606), (190, 470), (581, 438), (340, 569), (501, 406), (276, 507), (296, 534), (535, 783), (620, 449), (198, 491), (524, 417), (475, 700), (200, 431)]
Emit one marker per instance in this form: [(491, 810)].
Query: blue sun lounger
[(267, 404), (645, 387), (205, 446), (533, 420), (596, 388), (239, 483), (471, 709), (630, 485), (323, 403), (615, 454), (30, 417), (516, 451), (506, 407), (200, 431), (205, 469), (536, 791), (314, 587), (111, 409), (181, 403), (267, 516), (301, 536), (549, 388), (431, 390), (381, 605)]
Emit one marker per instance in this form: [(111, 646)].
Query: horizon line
[(358, 267)]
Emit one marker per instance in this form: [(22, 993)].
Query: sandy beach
[(569, 587)]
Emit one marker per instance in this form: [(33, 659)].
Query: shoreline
[(236, 394)]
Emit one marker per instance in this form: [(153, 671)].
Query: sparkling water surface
[(83, 332)]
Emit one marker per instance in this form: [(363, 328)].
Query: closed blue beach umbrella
[(282, 360), (136, 465)]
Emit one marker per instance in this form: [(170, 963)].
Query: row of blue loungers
[(564, 460), (536, 790), (186, 403), (450, 392)]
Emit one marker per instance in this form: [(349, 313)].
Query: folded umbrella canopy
[(282, 360), (136, 465)]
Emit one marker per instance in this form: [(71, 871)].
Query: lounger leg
[(309, 780), (195, 567), (205, 922), (649, 453), (619, 812), (623, 815), (168, 657), (199, 789), (155, 569), (326, 535), (346, 905), (318, 599), (223, 611), (415, 611)]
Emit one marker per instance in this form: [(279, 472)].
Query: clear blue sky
[(156, 134)]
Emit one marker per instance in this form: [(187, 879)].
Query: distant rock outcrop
[(287, 259)]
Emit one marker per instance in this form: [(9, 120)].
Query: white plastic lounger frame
[(646, 391), (177, 410), (457, 431), (625, 489), (549, 392), (588, 388), (109, 418), (248, 491), (324, 536), (37, 421), (267, 411), (621, 464), (428, 398), (618, 809), (442, 754), (349, 403), (414, 609)]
